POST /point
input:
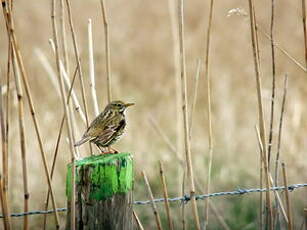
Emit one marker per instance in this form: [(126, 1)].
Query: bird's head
[(119, 106)]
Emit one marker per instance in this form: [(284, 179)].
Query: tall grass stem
[(107, 48)]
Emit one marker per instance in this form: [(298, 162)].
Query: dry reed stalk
[(137, 221), (278, 199), (304, 29), (260, 178), (285, 52), (77, 56), (270, 141), (273, 81), (183, 204), (257, 39), (15, 45), (6, 222), (279, 134), (271, 182), (52, 169), (4, 130), (107, 48), (92, 68), (289, 213), (172, 148), (7, 103), (153, 205), (67, 82), (165, 195), (185, 113), (176, 66), (57, 145), (260, 111), (260, 196), (195, 90), (22, 133), (4, 196), (66, 110), (42, 58), (210, 135), (63, 37)]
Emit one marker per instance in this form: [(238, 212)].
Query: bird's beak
[(129, 104)]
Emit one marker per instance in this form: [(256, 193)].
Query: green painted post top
[(103, 175)]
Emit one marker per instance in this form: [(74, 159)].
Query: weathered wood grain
[(104, 186)]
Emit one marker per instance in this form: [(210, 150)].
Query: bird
[(107, 127)]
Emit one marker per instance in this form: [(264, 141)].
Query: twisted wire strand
[(184, 199)]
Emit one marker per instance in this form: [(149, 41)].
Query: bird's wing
[(106, 134)]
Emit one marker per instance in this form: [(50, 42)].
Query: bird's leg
[(101, 149), (114, 150)]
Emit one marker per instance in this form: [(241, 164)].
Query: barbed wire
[(184, 199)]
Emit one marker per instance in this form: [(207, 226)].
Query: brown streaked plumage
[(107, 127)]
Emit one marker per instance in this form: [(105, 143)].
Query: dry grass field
[(144, 64)]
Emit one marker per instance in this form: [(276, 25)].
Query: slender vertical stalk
[(4, 140), (66, 110), (304, 29), (261, 179), (92, 68), (260, 110), (77, 106), (63, 37), (4, 196), (107, 48), (22, 133), (194, 95), (279, 139), (185, 112), (176, 66), (198, 186), (278, 199), (14, 42), (4, 127), (182, 194), (153, 205), (270, 142), (289, 214), (4, 205), (7, 111), (137, 221), (273, 81), (28, 93), (261, 197), (77, 56), (210, 135), (271, 182), (165, 195), (57, 145)]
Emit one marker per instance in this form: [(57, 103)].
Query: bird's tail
[(82, 141)]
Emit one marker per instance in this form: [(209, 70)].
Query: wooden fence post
[(104, 185)]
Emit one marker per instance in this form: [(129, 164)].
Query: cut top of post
[(105, 175)]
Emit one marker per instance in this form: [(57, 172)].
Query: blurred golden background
[(144, 72)]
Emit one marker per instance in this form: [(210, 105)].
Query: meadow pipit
[(107, 127)]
